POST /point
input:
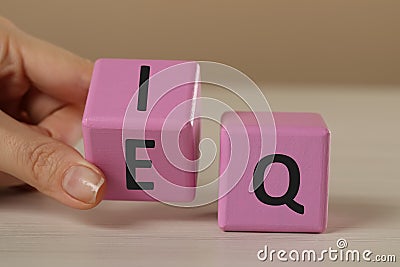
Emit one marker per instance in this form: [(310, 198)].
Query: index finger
[(53, 70)]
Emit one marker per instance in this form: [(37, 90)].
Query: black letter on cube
[(294, 182), (132, 164), (143, 88)]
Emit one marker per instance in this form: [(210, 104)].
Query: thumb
[(50, 166)]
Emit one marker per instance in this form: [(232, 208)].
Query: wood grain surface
[(364, 201)]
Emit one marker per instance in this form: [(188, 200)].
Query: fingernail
[(82, 183)]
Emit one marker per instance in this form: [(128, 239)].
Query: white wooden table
[(364, 202)]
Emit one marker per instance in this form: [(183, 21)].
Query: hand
[(42, 94)]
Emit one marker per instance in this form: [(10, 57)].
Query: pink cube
[(140, 128), (282, 192)]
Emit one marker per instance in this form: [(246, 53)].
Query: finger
[(53, 70), (13, 82), (50, 166), (64, 124), (39, 105)]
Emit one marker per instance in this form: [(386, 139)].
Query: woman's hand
[(42, 94)]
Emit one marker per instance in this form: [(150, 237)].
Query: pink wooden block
[(119, 117), (302, 140)]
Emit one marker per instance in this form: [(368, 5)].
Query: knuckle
[(6, 26), (4, 46), (11, 62), (6, 22), (43, 160)]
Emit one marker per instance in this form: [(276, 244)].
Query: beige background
[(275, 41)]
